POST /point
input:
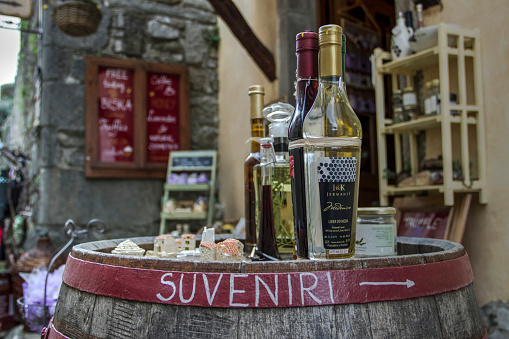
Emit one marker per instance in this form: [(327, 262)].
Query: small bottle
[(409, 20), (279, 116), (420, 22), (256, 94), (307, 87), (409, 104), (266, 247), (376, 232), (332, 144)]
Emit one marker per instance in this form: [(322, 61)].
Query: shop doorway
[(367, 24)]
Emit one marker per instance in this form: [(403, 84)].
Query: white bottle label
[(375, 240)]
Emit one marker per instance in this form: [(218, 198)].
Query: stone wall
[(52, 130)]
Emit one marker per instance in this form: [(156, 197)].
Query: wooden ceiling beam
[(231, 15)]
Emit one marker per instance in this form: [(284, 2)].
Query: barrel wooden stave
[(454, 314), (91, 316)]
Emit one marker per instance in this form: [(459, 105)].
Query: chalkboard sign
[(428, 217), (136, 114), (431, 224), (116, 114), (192, 162), (162, 117)]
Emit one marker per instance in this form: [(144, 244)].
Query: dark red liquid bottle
[(307, 88), (266, 247)]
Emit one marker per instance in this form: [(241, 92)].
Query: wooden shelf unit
[(190, 161), (465, 45)]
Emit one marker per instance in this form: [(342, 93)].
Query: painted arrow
[(408, 283)]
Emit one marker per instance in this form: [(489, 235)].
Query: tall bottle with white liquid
[(331, 142)]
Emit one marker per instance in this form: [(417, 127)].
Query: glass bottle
[(266, 247), (256, 93), (420, 22), (307, 87), (409, 20), (332, 146), (279, 116)]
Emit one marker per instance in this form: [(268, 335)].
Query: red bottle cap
[(307, 54), (307, 40)]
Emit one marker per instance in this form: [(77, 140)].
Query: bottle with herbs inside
[(331, 145), (279, 116), (256, 94)]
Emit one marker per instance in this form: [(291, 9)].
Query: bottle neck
[(257, 131), (307, 64), (331, 64), (257, 123), (256, 105)]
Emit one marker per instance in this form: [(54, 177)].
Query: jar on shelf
[(376, 232), (409, 104), (397, 99), (397, 115), (397, 106), (435, 96)]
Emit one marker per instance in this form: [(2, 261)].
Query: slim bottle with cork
[(307, 88), (420, 21), (331, 145), (256, 93)]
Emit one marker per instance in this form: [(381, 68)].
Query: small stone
[(157, 29)]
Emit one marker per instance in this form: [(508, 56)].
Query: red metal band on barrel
[(295, 289)]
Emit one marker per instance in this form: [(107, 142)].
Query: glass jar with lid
[(397, 115), (409, 103), (376, 232)]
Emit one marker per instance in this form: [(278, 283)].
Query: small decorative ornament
[(208, 251), (128, 247)]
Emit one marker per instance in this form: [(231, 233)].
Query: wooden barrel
[(424, 292)]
